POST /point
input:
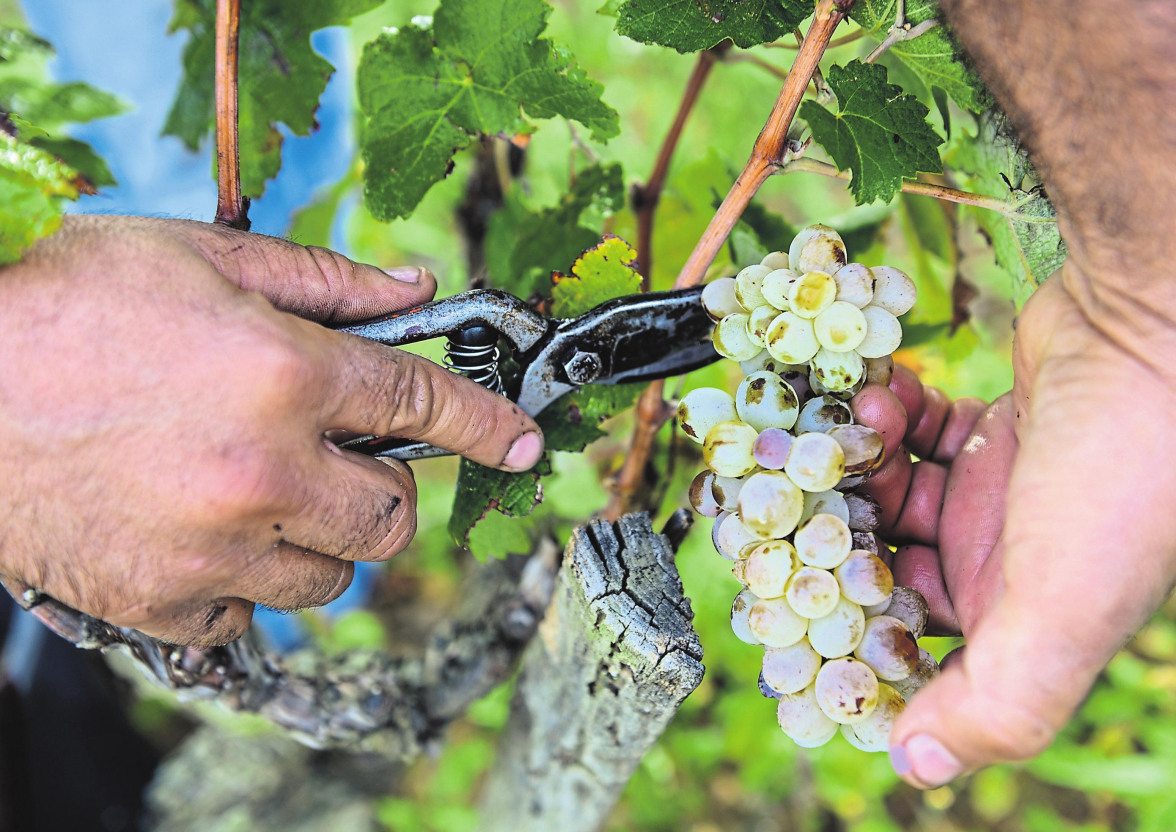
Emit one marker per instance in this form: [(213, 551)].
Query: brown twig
[(769, 150), (232, 208), (645, 197), (900, 31)]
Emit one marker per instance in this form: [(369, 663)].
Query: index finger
[(371, 388)]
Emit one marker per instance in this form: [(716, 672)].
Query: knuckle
[(412, 398), (336, 275), (243, 481), (393, 523)]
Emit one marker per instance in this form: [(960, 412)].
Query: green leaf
[(81, 157), (281, 76), (524, 247), (1026, 240), (879, 133), (571, 422), (693, 25), (426, 93), (481, 489), (32, 185), (602, 273), (934, 56)]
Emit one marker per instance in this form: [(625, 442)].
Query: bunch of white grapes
[(783, 455)]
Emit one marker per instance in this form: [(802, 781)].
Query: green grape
[(894, 291), (731, 339), (838, 370), (740, 613), (702, 496), (838, 633), (815, 462), (864, 578), (775, 624), (873, 732), (816, 248), (727, 449), (883, 333), (770, 504), (776, 286), (702, 409), (747, 286), (824, 541), (801, 718), (812, 592), (855, 284), (764, 400), (718, 298), (846, 690), (790, 669), (768, 568), (812, 294), (791, 339), (841, 327)]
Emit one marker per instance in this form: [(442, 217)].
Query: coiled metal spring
[(473, 352)]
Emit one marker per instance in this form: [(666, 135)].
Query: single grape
[(812, 294), (726, 492), (731, 339), (894, 291), (747, 286), (799, 381), (816, 248), (855, 284), (838, 370), (824, 541), (865, 514), (702, 409), (770, 504), (702, 497), (816, 462), (759, 321), (879, 370), (802, 719), (739, 570), (768, 568), (726, 450), (740, 613), (864, 578), (883, 333), (775, 624), (820, 389), (841, 327), (888, 648), (776, 286), (925, 671), (825, 502), (731, 538), (790, 669), (791, 339), (847, 690), (771, 448), (910, 607), (838, 633), (776, 260), (863, 447), (765, 361), (820, 414), (812, 592), (718, 298), (764, 400), (873, 732)]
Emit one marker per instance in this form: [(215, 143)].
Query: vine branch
[(232, 208), (900, 31)]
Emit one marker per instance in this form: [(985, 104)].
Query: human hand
[(1041, 527), (164, 397)]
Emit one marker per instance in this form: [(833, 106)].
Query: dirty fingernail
[(525, 451), (928, 761), (405, 274)]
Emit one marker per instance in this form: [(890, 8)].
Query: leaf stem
[(833, 44), (232, 208), (900, 31)]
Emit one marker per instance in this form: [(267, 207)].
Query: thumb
[(309, 281), (1085, 557)]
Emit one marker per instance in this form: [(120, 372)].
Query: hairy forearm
[(1090, 86)]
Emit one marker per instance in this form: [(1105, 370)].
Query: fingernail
[(525, 451), (405, 274), (926, 760)]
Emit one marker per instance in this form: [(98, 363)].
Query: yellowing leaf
[(603, 272)]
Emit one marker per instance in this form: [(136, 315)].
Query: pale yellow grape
[(718, 298), (726, 450), (802, 719), (838, 370), (790, 669), (815, 462), (768, 568), (824, 540), (821, 414), (864, 578), (765, 361), (702, 496), (888, 648), (764, 400), (816, 248), (776, 260), (838, 633), (775, 624), (731, 538), (883, 333), (812, 592), (863, 447), (841, 327), (776, 286), (759, 321), (703, 408), (825, 502), (740, 613), (812, 294), (747, 286), (770, 504), (845, 394), (924, 673), (846, 690), (873, 732), (855, 284), (739, 569), (894, 291), (731, 339), (791, 339), (726, 492)]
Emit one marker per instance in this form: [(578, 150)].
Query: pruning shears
[(628, 339)]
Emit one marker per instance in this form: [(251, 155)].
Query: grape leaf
[(481, 490), (523, 247), (694, 25), (934, 56), (280, 76), (426, 93), (879, 133), (602, 273), (1025, 240), (32, 185), (572, 421)]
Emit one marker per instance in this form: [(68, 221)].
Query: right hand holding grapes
[(1042, 526)]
